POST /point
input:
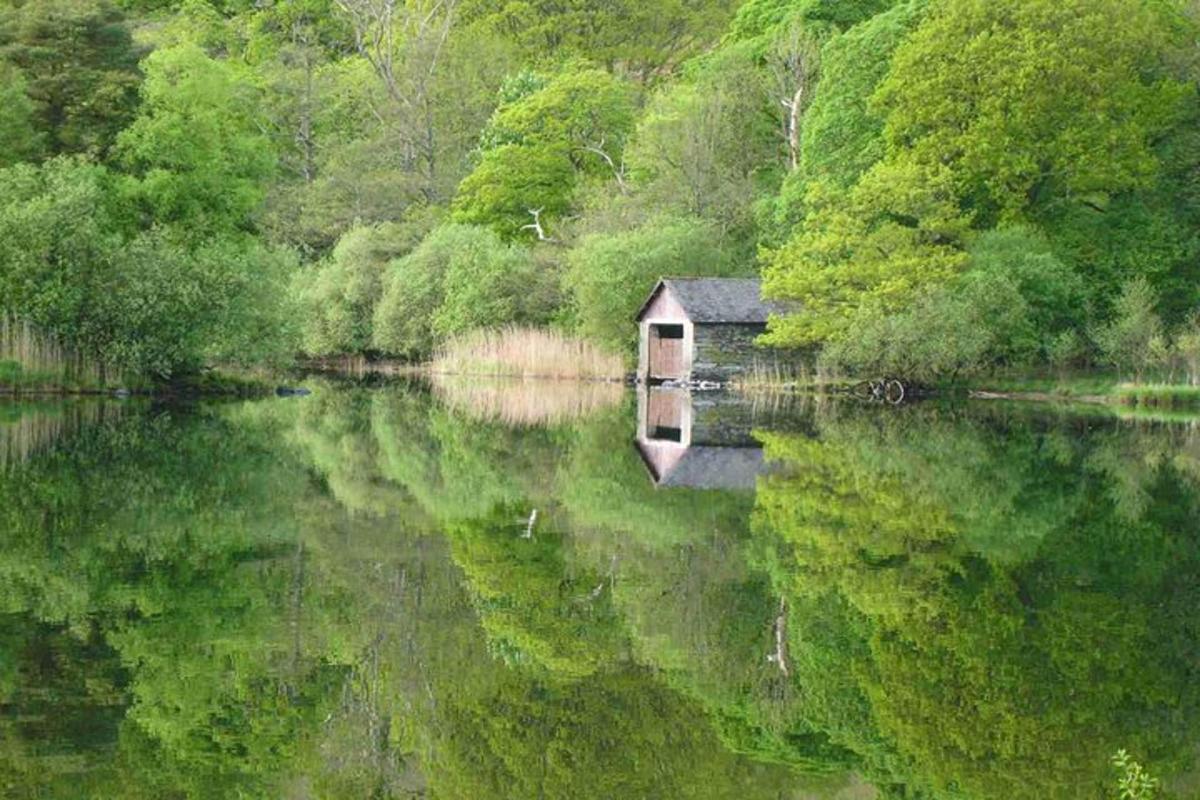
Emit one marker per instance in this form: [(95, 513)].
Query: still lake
[(535, 591)]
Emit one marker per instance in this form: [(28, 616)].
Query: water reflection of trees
[(345, 596), (1003, 602)]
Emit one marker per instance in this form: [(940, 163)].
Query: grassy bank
[(527, 353), (1093, 386), (1166, 396)]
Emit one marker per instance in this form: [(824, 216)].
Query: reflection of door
[(666, 351), (664, 416)]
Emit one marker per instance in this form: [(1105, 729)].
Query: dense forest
[(940, 187)]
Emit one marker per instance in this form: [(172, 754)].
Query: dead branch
[(536, 226), (617, 171)]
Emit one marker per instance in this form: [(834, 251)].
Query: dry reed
[(526, 353), (522, 402), (31, 359)]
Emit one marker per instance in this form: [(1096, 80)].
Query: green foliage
[(898, 233), (57, 242), (959, 94), (19, 138), (843, 132), (413, 289), (491, 284), (149, 304), (610, 275), (80, 66), (196, 144), (1134, 782), (460, 278), (948, 332), (625, 33), (536, 148), (1133, 341), (1054, 292), (511, 183), (844, 13), (707, 147), (987, 113), (338, 298)]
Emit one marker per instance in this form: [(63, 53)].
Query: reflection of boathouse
[(700, 329), (697, 441)]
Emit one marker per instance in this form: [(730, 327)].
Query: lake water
[(504, 591)]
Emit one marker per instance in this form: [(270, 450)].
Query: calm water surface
[(496, 592)]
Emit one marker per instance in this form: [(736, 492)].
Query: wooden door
[(666, 351)]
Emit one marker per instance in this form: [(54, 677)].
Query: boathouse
[(700, 329)]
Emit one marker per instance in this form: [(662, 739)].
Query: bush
[(1187, 348), (1133, 340), (459, 278), (949, 332), (150, 304), (338, 297), (175, 305), (611, 274), (1054, 291)]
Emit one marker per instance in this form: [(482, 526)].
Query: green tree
[(494, 284), (1133, 337), (1084, 126), (896, 234), (610, 275), (535, 150), (970, 141), (459, 278), (622, 34), (19, 138), (81, 68), (338, 297), (196, 147), (60, 228)]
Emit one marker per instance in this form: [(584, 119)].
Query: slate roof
[(732, 300), (717, 468)]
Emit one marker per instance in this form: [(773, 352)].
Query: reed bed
[(32, 360), (522, 402), (527, 353)]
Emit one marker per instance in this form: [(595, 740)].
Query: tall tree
[(81, 65), (197, 146)]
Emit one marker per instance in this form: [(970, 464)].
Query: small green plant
[(1064, 350), (1134, 783)]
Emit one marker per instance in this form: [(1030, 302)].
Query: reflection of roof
[(737, 300), (716, 468)]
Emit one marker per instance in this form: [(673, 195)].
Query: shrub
[(338, 297), (1187, 348), (149, 304), (1054, 292), (1132, 340), (949, 332), (459, 278)]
